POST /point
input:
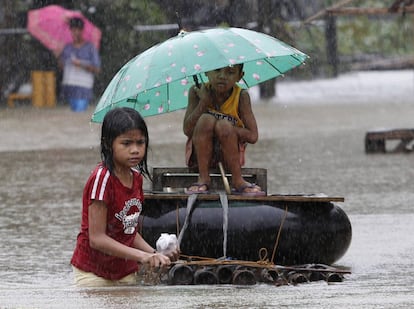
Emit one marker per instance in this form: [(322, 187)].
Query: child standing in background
[(108, 248), (80, 62)]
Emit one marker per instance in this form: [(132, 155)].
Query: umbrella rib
[(245, 82), (122, 74), (298, 59), (274, 67), (168, 95), (281, 73), (136, 101), (265, 59)]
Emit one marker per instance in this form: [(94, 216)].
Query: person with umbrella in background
[(219, 122), (80, 62)]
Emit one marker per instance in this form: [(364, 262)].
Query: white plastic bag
[(167, 243)]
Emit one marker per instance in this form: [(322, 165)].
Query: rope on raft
[(192, 268), (262, 252), (191, 260), (278, 234), (242, 272), (205, 261)]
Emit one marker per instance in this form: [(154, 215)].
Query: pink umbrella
[(50, 26)]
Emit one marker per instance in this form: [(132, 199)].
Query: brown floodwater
[(46, 156)]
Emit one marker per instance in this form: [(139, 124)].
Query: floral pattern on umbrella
[(158, 80)]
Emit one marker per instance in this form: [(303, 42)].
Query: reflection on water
[(40, 206)]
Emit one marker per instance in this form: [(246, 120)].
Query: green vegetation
[(120, 42), (358, 37)]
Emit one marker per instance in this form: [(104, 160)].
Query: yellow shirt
[(230, 108)]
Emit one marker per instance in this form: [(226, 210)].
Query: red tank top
[(124, 206)]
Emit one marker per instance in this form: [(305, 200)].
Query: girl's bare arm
[(99, 240)]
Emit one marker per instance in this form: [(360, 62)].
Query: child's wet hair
[(76, 22), (240, 65), (116, 122)]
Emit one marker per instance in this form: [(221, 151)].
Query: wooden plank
[(269, 198), (391, 134), (17, 96), (322, 13), (375, 141), (338, 9), (182, 177), (367, 11)]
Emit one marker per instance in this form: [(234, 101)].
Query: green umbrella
[(158, 80)]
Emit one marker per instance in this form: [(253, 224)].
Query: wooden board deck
[(181, 177), (270, 198), (169, 184), (376, 141)]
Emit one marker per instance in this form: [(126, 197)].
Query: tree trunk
[(267, 88), (331, 43)]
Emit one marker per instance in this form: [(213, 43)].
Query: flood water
[(46, 156)]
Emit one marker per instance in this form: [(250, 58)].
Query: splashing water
[(225, 204), (190, 203)]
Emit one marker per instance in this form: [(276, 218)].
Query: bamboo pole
[(339, 10), (321, 13), (203, 261), (224, 178), (367, 11)]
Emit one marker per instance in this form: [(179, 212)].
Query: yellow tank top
[(230, 108)]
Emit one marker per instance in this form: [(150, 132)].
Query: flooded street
[(46, 156)]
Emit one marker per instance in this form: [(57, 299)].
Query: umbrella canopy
[(158, 80), (50, 26)]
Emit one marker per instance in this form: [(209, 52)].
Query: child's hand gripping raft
[(109, 250)]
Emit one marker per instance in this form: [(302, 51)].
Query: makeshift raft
[(216, 229), (241, 273)]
